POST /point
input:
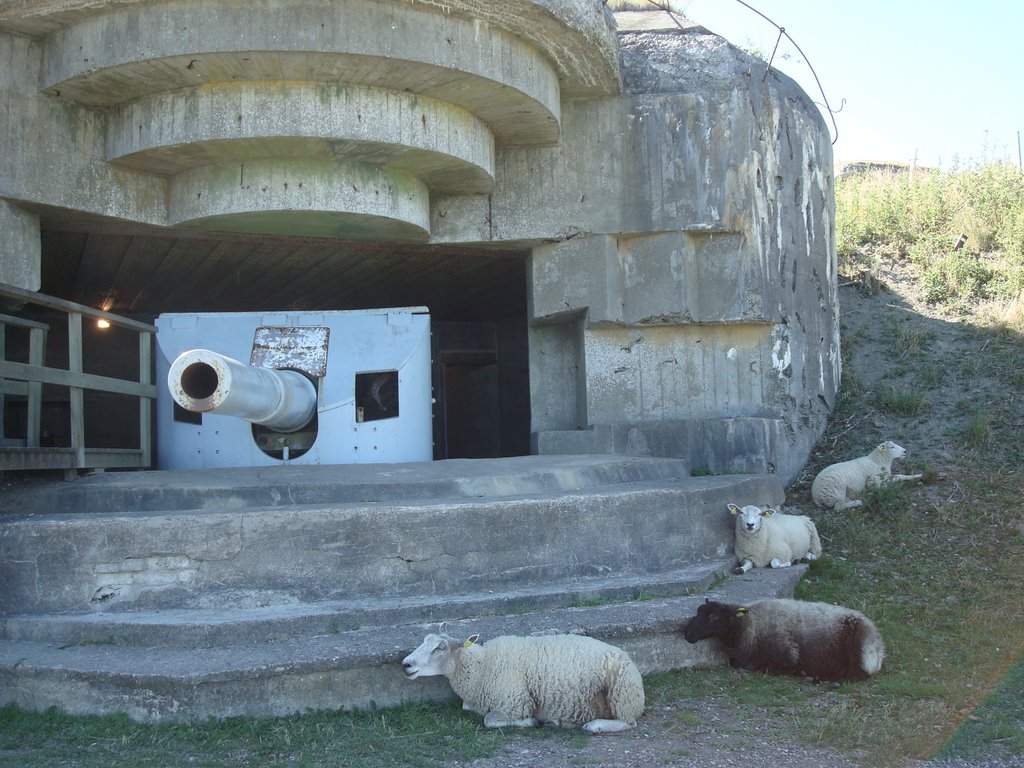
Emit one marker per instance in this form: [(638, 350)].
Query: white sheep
[(838, 485), (792, 637), (557, 680), (766, 538)]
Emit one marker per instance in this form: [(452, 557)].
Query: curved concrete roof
[(578, 36), (421, 92), (168, 133)]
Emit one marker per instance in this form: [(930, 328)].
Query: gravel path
[(702, 733)]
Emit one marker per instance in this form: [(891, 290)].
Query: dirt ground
[(724, 736)]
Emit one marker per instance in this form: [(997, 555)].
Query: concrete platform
[(236, 488), (179, 596)]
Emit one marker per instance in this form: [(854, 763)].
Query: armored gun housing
[(319, 388)]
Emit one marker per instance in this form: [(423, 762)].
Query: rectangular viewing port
[(376, 396)]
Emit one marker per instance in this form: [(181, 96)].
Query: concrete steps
[(179, 596), (194, 628), (352, 669)]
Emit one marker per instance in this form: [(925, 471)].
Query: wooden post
[(76, 395), (36, 356)]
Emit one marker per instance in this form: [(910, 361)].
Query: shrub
[(922, 216)]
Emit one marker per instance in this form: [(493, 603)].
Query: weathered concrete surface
[(435, 86), (170, 132), (497, 531), (19, 247), (747, 445), (342, 670), (237, 488), (714, 299), (183, 595)]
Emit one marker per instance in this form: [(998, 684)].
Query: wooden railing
[(26, 380)]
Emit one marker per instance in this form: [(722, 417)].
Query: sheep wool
[(567, 680), (769, 539), (792, 637), (838, 486)]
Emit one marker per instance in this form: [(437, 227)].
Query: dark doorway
[(471, 409), (481, 390)]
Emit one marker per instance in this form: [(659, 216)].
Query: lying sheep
[(766, 538), (791, 637), (837, 485), (560, 680)]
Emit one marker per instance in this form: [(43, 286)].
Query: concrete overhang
[(447, 148), (577, 36), (342, 199), (318, 96), (162, 47)]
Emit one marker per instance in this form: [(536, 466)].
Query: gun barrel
[(204, 381)]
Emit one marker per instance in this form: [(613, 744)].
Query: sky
[(937, 83)]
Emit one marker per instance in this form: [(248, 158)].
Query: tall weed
[(923, 216)]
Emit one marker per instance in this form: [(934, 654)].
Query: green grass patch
[(900, 402), (409, 736)]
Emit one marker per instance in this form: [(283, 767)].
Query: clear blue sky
[(939, 81)]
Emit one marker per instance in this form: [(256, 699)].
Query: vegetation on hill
[(961, 232)]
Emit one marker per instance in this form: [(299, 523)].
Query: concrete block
[(20, 255)]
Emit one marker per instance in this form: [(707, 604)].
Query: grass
[(946, 592), (901, 402), (404, 737), (921, 218)]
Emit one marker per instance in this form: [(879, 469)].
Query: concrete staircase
[(182, 595)]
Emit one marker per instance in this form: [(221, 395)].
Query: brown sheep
[(792, 637)]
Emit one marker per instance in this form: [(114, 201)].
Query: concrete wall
[(692, 310), (19, 247), (57, 149)]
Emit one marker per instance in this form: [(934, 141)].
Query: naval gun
[(333, 387), (203, 381)]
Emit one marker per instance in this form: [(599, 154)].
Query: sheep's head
[(713, 619), (749, 518), (434, 656), (891, 451)]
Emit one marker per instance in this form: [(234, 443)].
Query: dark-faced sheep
[(560, 680), (792, 637)]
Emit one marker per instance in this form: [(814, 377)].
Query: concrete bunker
[(622, 226)]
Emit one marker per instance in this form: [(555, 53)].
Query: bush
[(922, 216)]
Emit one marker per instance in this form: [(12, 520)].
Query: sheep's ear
[(470, 640), (768, 512), (740, 612), (734, 509), (441, 627)]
